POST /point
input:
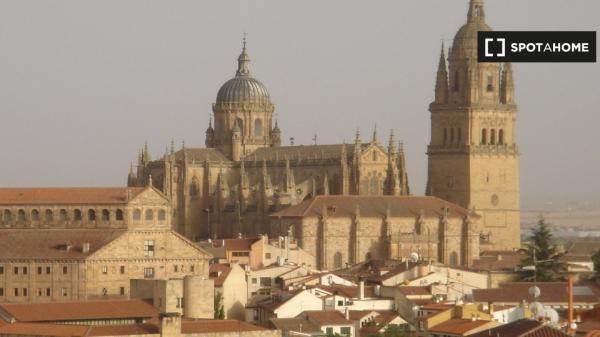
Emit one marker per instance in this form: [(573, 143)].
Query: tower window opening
[(492, 137), (21, 215), (451, 135), (458, 135), (445, 136), (490, 83), (258, 127), (484, 136), (501, 137), (455, 85), (91, 215)]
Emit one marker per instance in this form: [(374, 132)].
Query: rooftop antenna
[(315, 138)]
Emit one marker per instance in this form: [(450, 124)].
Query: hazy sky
[(84, 83)]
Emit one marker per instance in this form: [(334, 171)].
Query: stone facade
[(64, 257), (341, 230), (473, 153)]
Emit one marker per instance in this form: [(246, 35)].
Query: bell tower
[(473, 153)]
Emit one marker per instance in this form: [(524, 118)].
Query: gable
[(150, 197), (374, 154)]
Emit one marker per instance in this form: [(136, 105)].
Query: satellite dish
[(414, 257), (549, 314), (537, 308), (535, 291)]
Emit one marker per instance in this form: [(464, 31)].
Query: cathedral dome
[(465, 40), (243, 88)]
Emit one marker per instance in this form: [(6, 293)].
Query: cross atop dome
[(243, 61)]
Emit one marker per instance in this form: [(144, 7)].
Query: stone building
[(342, 230), (473, 153), (245, 173), (66, 244)]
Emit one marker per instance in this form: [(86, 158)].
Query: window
[(445, 136), (62, 215), (1, 291), (24, 292), (35, 215), (149, 215), (490, 83), (16, 270), (119, 215), (337, 260), (192, 268), (137, 215), (194, 187), (375, 155), (265, 281), (148, 272), (240, 254), (39, 269), (64, 292), (162, 215), (493, 136), (104, 270), (148, 248), (484, 136), (105, 215), (39, 292), (7, 215), (345, 330), (24, 270), (122, 291), (459, 135), (451, 135), (48, 215), (267, 256), (501, 137), (77, 215), (329, 331), (65, 270), (455, 85), (48, 269), (175, 268), (104, 292), (258, 128), (1, 270), (21, 215), (122, 269), (254, 280), (16, 292), (91, 215), (48, 292), (453, 259), (340, 302)]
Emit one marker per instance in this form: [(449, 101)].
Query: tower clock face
[(495, 200)]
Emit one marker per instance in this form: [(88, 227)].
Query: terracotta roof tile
[(347, 291), (521, 328), (372, 206), (67, 195), (213, 325), (457, 326), (219, 272), (330, 317), (123, 330), (516, 292), (52, 243), (239, 244), (47, 312), (40, 329)]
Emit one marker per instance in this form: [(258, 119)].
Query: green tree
[(548, 266), (218, 306)]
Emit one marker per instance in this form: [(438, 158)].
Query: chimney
[(570, 295), (499, 257), (85, 247), (361, 290), (347, 313), (170, 324)]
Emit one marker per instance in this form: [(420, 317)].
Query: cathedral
[(245, 174)]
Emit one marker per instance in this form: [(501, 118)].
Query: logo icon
[(502, 42)]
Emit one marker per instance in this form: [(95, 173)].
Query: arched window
[(48, 216), (453, 259), (451, 135), (492, 136), (456, 84), (21, 215), (119, 215), (490, 83), (162, 215), (149, 215), (105, 215), (7, 215), (258, 127), (484, 136), (35, 215), (445, 136), (62, 215), (501, 136), (375, 156), (458, 135), (91, 215), (240, 123), (137, 215), (194, 187), (337, 260), (77, 215)]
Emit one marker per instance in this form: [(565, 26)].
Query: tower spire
[(375, 133), (476, 11), (441, 84), (243, 61), (507, 89)]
